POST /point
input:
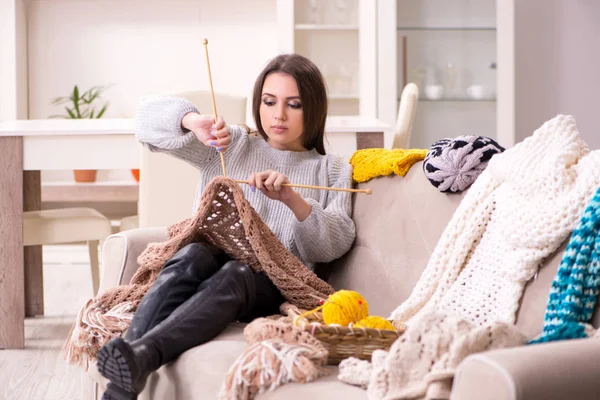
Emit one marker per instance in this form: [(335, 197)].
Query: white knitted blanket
[(519, 210)]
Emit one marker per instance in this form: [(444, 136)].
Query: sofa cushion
[(397, 227), (199, 374)]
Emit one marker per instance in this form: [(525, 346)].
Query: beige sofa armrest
[(550, 371), (120, 253)]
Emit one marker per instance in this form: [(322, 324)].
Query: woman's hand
[(271, 184), (207, 131)]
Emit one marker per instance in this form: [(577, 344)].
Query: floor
[(39, 372)]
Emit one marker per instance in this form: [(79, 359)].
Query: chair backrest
[(162, 199), (406, 116)]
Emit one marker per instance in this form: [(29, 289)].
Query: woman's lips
[(279, 129)]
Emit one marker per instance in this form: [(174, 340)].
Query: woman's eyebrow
[(287, 98)]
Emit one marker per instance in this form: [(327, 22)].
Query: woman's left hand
[(271, 184)]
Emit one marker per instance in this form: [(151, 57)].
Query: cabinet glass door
[(448, 48)]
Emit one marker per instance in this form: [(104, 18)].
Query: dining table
[(28, 147)]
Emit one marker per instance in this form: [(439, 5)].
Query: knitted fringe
[(93, 328), (269, 364), (279, 352)]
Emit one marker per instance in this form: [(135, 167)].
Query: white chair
[(406, 116), (162, 199), (68, 225), (128, 223)]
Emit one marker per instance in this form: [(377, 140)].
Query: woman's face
[(281, 112)]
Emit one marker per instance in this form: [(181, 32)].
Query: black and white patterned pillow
[(452, 165)]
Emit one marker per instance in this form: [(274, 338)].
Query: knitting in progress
[(371, 163), (452, 165), (520, 210), (576, 285), (226, 222)]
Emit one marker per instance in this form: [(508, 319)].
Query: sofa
[(398, 227)]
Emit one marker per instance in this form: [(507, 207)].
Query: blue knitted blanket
[(577, 282)]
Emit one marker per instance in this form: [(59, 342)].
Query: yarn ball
[(344, 307), (452, 165), (375, 323)]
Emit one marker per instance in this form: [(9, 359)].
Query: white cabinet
[(339, 36), (454, 51)]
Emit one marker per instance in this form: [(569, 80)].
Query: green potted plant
[(79, 106)]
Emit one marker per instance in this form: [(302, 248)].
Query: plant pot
[(85, 175), (136, 174)]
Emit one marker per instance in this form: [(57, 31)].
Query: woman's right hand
[(207, 131)]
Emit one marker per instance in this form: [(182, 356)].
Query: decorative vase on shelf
[(450, 76), (136, 174), (85, 175), (341, 11), (313, 12)]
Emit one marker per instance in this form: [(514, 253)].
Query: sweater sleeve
[(158, 127), (328, 232)]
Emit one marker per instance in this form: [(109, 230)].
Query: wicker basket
[(342, 342)]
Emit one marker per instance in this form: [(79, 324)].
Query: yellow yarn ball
[(344, 307), (375, 323)]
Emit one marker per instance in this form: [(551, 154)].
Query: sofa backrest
[(398, 227)]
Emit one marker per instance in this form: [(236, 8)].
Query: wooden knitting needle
[(365, 191), (212, 93)]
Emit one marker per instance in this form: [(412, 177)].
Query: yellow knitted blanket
[(371, 163)]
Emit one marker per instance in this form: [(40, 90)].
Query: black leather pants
[(194, 298)]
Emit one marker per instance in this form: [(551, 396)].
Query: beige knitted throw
[(426, 356), (226, 222)]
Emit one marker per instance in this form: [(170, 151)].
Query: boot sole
[(112, 364), (113, 392)]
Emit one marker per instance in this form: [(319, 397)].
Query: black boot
[(127, 367), (178, 281), (114, 392), (219, 300)]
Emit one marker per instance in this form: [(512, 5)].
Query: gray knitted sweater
[(325, 235)]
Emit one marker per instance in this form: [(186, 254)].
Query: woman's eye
[(268, 102), (295, 106)]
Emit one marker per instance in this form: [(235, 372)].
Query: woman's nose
[(280, 114)]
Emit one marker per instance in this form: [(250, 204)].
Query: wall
[(13, 60), (144, 47), (556, 64)]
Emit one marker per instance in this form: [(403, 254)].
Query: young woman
[(197, 294)]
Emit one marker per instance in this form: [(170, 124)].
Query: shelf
[(108, 191), (445, 28), (324, 27), (458, 99), (343, 96)]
